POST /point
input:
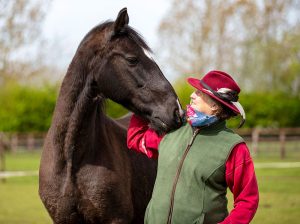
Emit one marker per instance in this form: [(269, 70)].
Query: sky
[(67, 21)]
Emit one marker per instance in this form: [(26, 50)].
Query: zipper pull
[(195, 132)]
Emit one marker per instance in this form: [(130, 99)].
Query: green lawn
[(19, 201), (279, 191), (22, 160)]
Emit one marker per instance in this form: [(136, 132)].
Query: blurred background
[(258, 42)]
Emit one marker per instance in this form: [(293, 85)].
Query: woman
[(197, 162)]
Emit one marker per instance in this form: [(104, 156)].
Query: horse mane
[(138, 38), (126, 31)]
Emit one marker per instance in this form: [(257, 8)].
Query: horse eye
[(140, 85), (132, 60)]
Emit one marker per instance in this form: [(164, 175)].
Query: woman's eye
[(198, 93), (132, 60)]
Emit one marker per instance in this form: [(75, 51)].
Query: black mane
[(127, 31)]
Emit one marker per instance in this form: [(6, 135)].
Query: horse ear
[(121, 21)]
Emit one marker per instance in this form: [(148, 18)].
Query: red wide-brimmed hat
[(221, 87)]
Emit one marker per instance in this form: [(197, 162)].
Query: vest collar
[(214, 128)]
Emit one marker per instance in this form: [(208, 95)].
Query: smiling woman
[(198, 161)]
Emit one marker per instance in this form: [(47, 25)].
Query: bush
[(271, 109), (30, 108), (115, 110), (26, 108)]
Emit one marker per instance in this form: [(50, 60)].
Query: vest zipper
[(196, 131)]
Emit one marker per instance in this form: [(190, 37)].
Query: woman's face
[(202, 102)]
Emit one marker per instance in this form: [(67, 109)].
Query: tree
[(20, 27), (273, 48), (249, 39)]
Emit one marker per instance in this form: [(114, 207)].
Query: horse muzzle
[(167, 120)]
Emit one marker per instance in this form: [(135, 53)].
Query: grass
[(19, 200), (280, 196), (22, 160), (20, 203), (279, 193)]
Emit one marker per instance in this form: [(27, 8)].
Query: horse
[(87, 174)]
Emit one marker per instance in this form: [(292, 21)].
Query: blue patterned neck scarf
[(199, 119)]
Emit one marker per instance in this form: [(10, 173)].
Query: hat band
[(229, 95)]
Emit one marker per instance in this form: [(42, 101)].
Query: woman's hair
[(221, 111)]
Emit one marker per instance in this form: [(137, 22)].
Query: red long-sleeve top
[(240, 176)]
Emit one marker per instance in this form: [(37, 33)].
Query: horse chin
[(159, 126), (155, 122)]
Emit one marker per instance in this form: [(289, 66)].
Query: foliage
[(115, 110), (29, 108), (271, 109), (183, 90), (26, 108)]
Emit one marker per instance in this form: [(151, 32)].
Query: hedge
[(30, 108)]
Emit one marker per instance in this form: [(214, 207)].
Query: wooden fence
[(280, 136), (34, 141), (22, 141)]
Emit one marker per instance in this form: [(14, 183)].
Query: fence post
[(2, 156), (30, 142), (282, 143), (255, 139), (14, 143)]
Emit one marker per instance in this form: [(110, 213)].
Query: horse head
[(122, 69)]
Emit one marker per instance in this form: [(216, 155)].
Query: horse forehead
[(148, 54)]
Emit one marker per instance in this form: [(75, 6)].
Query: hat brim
[(195, 83)]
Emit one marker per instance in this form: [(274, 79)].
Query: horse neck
[(75, 106), (71, 88), (79, 117)]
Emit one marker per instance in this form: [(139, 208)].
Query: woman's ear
[(214, 107)]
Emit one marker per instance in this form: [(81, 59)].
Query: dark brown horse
[(87, 174)]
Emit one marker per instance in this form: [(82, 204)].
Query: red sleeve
[(141, 138), (241, 180)]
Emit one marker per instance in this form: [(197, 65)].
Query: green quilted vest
[(198, 187)]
